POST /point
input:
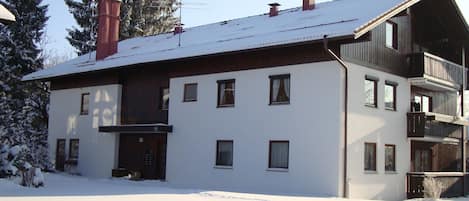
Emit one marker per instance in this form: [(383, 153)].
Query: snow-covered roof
[(338, 18), (6, 15)]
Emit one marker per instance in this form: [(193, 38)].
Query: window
[(390, 95), (164, 98), (371, 92), (224, 153), (390, 157), (278, 154), (370, 156), (279, 89), (422, 103), (190, 92), (226, 93), (73, 150), (85, 103), (391, 35)]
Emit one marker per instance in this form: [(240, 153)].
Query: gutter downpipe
[(344, 66)]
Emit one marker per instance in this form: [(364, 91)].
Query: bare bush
[(433, 188)]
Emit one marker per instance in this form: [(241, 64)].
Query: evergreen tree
[(83, 38), (138, 18), (144, 18), (23, 105)]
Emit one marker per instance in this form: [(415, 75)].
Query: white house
[(347, 98)]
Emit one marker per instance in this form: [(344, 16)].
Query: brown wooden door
[(145, 153), (60, 155)]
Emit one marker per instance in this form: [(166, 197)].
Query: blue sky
[(195, 12)]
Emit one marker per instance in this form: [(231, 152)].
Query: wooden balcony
[(435, 73), (422, 124), (452, 182)]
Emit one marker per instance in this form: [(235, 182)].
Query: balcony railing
[(421, 124), (426, 65), (452, 183)]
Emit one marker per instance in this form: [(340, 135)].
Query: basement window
[(85, 103), (391, 35)]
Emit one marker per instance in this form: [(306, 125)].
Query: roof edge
[(343, 38), (360, 31)]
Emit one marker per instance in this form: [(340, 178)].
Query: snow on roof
[(336, 18), (6, 15)]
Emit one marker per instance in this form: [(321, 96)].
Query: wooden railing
[(452, 183), (430, 65), (421, 124), (416, 124)]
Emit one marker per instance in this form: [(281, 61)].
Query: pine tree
[(144, 18), (138, 18), (83, 38), (23, 105)]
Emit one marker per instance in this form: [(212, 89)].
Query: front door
[(145, 153), (60, 155)]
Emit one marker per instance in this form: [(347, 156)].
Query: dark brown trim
[(375, 154), (185, 98), (375, 92), (83, 110), (219, 82), (270, 153), (393, 156), (70, 149), (274, 77), (217, 151), (84, 80)]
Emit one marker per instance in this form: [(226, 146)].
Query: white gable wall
[(311, 122), (97, 151), (377, 125)]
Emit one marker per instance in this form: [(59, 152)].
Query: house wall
[(377, 125), (97, 151), (311, 122)]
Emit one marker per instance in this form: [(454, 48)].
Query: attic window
[(391, 35)]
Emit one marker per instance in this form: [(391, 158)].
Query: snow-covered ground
[(66, 187)]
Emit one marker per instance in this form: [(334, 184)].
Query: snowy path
[(64, 187)]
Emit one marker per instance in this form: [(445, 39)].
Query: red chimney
[(108, 28), (273, 9), (308, 4)]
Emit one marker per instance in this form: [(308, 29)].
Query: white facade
[(380, 126), (97, 151), (311, 122)]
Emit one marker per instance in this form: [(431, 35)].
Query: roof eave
[(360, 31), (341, 39)]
